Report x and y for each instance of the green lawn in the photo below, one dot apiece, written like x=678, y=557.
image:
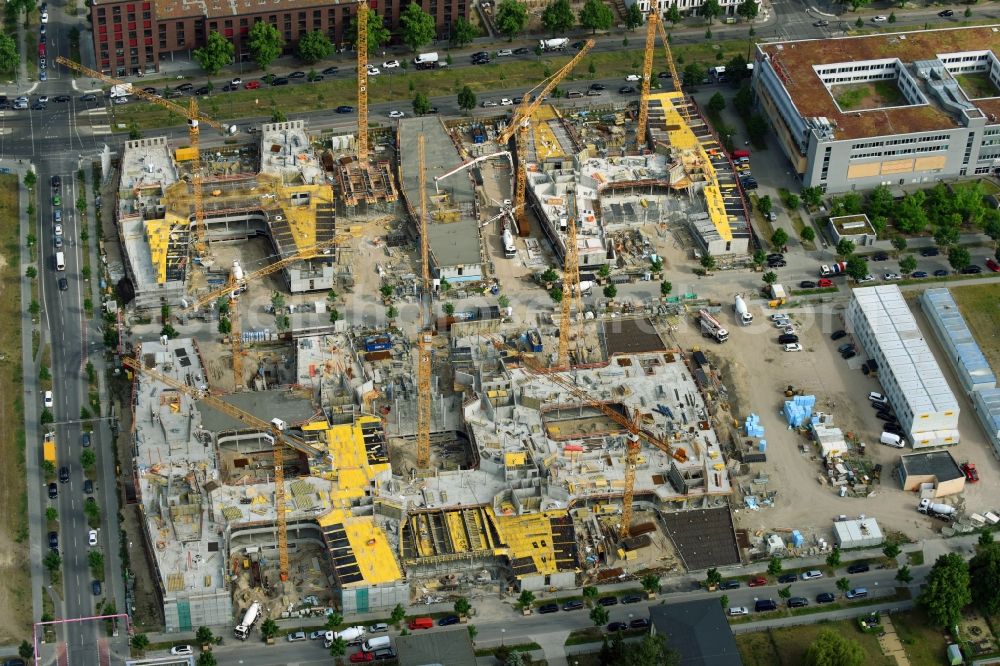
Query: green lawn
x=977, y=85
x=980, y=305
x=226, y=107
x=868, y=95
x=789, y=645
x=925, y=645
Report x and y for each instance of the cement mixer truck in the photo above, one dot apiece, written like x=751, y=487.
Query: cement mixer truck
x=937, y=510
x=743, y=315
x=250, y=618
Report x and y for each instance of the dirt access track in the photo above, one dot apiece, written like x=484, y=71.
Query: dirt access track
x=757, y=371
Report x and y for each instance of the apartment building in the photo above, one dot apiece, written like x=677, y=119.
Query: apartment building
x=691, y=7
x=888, y=109
x=133, y=37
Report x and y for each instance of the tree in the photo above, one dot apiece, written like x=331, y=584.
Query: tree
x=769, y=277
x=759, y=257
x=140, y=642
x=463, y=32
x=88, y=458
x=959, y=257
x=95, y=560
x=610, y=291
x=693, y=74
x=843, y=584
x=449, y=309
x=774, y=566
x=791, y=200
x=748, y=9
x=511, y=17
x=833, y=559
x=313, y=47
x=708, y=262
x=557, y=17
x=207, y=659
x=713, y=577
x=785, y=592
x=51, y=513
x=855, y=4
x=986, y=538
x=265, y=43
x=9, y=58
x=398, y=613
x=845, y=248
x=808, y=234
x=391, y=312
x=44, y=374
x=903, y=574
x=589, y=594
x=946, y=591
x=418, y=27
x=378, y=34
x=634, y=17
x=26, y=651
x=812, y=196
x=31, y=272
x=857, y=267
x=421, y=103
x=52, y=561
x=595, y=15
x=650, y=650
x=46, y=417
x=832, y=649
x=503, y=301
x=599, y=615
x=756, y=128
x=30, y=179
x=710, y=9
x=743, y=101
x=334, y=620
x=891, y=550
x=666, y=288
x=225, y=326
x=899, y=242
x=338, y=647
x=34, y=308
x=779, y=238
x=724, y=601
x=462, y=606
x=765, y=204
x=673, y=14
x=466, y=99
x=984, y=572
x=471, y=628
x=216, y=54
x=717, y=102
x=204, y=636
x=526, y=599
x=268, y=628
x=651, y=583
x=907, y=264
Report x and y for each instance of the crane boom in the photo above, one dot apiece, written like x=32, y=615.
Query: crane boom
x=362, y=47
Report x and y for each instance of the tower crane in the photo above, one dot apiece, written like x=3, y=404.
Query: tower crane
x=627, y=421
x=362, y=47
x=194, y=118
x=571, y=281
x=232, y=286
x=275, y=428
x=424, y=343
x=521, y=122
x=654, y=26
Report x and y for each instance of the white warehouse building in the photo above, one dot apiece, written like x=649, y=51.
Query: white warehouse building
x=927, y=410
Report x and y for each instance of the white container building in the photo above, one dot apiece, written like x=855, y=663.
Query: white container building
x=861, y=533
x=987, y=405
x=953, y=333
x=911, y=378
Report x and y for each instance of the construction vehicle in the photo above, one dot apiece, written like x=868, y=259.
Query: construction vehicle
x=275, y=427
x=711, y=328
x=834, y=269
x=936, y=508
x=49, y=448
x=242, y=630
x=194, y=118
x=557, y=44
x=743, y=315
x=520, y=123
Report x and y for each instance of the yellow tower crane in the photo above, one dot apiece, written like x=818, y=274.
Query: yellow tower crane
x=424, y=343
x=275, y=428
x=194, y=118
x=362, y=47
x=654, y=25
x=234, y=283
x=571, y=282
x=520, y=124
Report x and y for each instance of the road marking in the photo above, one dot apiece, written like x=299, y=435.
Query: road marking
x=100, y=111
x=101, y=129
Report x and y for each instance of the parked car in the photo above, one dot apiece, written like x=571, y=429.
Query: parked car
x=825, y=282
x=807, y=284
x=503, y=53
x=88, y=487
x=885, y=416
x=929, y=252
x=184, y=87
x=639, y=623
x=797, y=602
x=729, y=585
x=947, y=13
x=736, y=611
x=857, y=593
x=825, y=598
x=608, y=601
x=54, y=540
x=880, y=256
x=971, y=474
x=617, y=626
x=548, y=608
x=848, y=354
x=296, y=636
x=787, y=339
x=251, y=85
x=181, y=650
x=302, y=75
x=993, y=265
x=632, y=78
x=448, y=620
x=64, y=474
x=361, y=657
x=396, y=114
x=918, y=274
x=787, y=578
x=972, y=269
x=92, y=538
x=378, y=627
x=53, y=490
x=811, y=574
x=858, y=568
x=940, y=273
x=880, y=19
x=757, y=581
x=631, y=599
x=575, y=604
x=329, y=71
x=626, y=90
x=837, y=335
x=282, y=81
x=795, y=347
x=345, y=109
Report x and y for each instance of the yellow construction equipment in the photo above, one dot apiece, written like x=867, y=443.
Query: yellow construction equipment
x=275, y=428
x=424, y=343
x=654, y=25
x=362, y=47
x=521, y=123
x=231, y=288
x=194, y=118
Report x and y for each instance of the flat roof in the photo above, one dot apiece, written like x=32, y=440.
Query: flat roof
x=939, y=464
x=794, y=62
x=454, y=243
x=629, y=336
x=438, y=648
x=698, y=630
x=704, y=538
x=172, y=9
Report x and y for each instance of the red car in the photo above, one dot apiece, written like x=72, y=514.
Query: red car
x=971, y=474
x=757, y=582
x=362, y=657
x=253, y=85
x=825, y=282
x=993, y=265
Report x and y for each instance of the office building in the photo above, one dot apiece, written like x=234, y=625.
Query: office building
x=887, y=109
x=912, y=381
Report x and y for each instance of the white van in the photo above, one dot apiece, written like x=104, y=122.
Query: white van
x=376, y=643
x=60, y=261
x=893, y=440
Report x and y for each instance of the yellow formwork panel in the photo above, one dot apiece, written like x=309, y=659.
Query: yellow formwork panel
x=158, y=239
x=515, y=459
x=456, y=531
x=186, y=154
x=371, y=549
x=528, y=536
x=302, y=219
x=546, y=144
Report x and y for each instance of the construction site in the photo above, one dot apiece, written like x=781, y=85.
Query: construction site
x=293, y=450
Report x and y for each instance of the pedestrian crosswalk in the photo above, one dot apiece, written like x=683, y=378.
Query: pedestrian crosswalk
x=97, y=116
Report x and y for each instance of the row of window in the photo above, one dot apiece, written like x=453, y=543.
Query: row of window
x=896, y=142
x=842, y=80
x=982, y=56
x=901, y=151
x=856, y=68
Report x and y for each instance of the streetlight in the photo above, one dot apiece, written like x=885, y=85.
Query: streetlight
x=502, y=632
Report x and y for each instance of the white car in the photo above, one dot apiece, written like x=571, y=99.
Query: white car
x=316, y=634
x=790, y=330
x=776, y=317
x=738, y=610
x=296, y=636
x=809, y=575
x=57, y=230
x=236, y=83
x=390, y=64
x=92, y=537
x=782, y=323
x=396, y=114
x=876, y=397
x=892, y=276
x=489, y=102
x=48, y=400
x=880, y=19
x=632, y=78
x=867, y=278
x=373, y=71
x=793, y=347
x=504, y=52
x=45, y=17
x=506, y=101
x=181, y=650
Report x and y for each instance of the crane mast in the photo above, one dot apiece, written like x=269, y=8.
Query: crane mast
x=424, y=343
x=647, y=76
x=362, y=47
x=571, y=281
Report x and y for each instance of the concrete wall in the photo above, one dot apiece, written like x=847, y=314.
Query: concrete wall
x=365, y=598
x=188, y=611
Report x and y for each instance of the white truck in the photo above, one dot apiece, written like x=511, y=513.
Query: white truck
x=250, y=618
x=557, y=44
x=351, y=635
x=711, y=328
x=936, y=508
x=426, y=60
x=121, y=90
x=743, y=315
x=509, y=249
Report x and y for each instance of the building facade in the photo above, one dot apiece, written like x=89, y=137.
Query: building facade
x=892, y=109
x=692, y=7
x=132, y=38
x=912, y=381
